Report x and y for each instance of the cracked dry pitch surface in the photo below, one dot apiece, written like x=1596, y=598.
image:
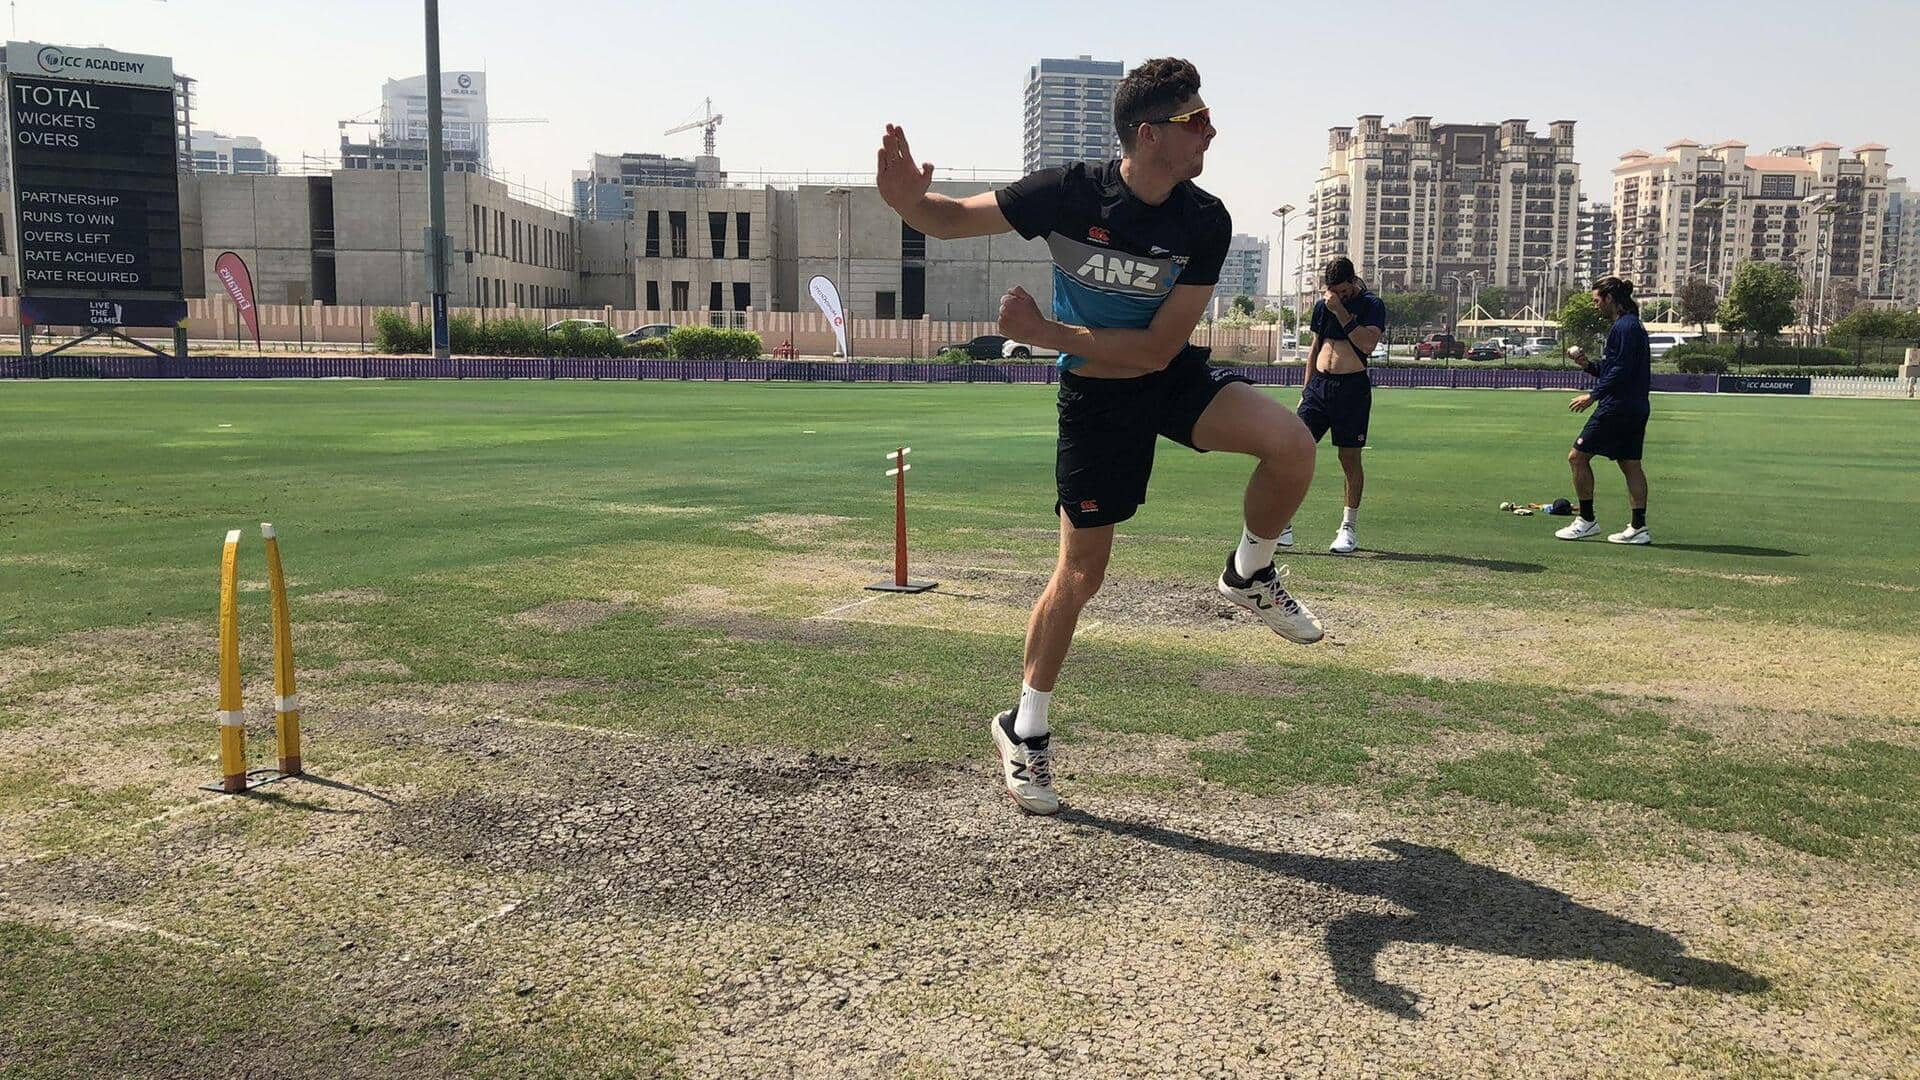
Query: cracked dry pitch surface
x=794, y=914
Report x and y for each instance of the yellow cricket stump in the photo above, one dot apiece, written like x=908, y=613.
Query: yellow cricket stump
x=233, y=729
x=286, y=702
x=234, y=778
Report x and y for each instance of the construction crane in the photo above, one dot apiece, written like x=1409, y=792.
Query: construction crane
x=711, y=121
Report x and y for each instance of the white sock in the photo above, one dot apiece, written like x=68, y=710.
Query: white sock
x=1352, y=519
x=1031, y=721
x=1253, y=555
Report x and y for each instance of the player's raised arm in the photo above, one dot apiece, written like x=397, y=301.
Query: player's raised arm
x=905, y=185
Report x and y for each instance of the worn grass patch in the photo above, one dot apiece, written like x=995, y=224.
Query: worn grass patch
x=136, y=1004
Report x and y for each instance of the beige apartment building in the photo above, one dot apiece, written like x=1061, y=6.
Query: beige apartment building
x=1697, y=212
x=1419, y=204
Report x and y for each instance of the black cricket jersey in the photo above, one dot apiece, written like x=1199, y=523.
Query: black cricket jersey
x=1116, y=259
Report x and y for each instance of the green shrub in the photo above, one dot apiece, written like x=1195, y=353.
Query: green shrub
x=654, y=348
x=710, y=343
x=954, y=356
x=574, y=340
x=395, y=333
x=1697, y=362
x=511, y=337
x=1759, y=355
x=463, y=332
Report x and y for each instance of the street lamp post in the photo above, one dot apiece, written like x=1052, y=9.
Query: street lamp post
x=1547, y=299
x=1824, y=208
x=1301, y=309
x=1453, y=322
x=1718, y=207
x=1281, y=213
x=840, y=229
x=436, y=190
x=841, y=252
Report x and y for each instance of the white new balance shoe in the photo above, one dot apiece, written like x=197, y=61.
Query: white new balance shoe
x=1286, y=537
x=1631, y=535
x=1344, y=541
x=1027, y=767
x=1262, y=595
x=1579, y=530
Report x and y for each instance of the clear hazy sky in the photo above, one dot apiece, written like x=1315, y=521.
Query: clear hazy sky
x=808, y=86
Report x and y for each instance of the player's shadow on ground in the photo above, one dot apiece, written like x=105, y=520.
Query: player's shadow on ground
x=286, y=796
x=1454, y=903
x=1502, y=566
x=1734, y=549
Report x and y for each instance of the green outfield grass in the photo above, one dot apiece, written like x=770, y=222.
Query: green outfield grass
x=712, y=521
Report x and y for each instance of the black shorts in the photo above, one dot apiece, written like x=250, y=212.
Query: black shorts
x=1108, y=428
x=1615, y=435
x=1342, y=403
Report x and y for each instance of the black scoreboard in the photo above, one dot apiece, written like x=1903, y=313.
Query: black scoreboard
x=96, y=188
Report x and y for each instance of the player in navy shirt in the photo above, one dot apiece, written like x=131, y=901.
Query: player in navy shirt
x=1137, y=249
x=1620, y=403
x=1338, y=394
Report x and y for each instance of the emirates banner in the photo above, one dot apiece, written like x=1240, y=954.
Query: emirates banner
x=231, y=269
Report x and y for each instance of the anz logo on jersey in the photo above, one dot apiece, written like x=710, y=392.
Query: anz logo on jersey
x=1118, y=270
x=1105, y=270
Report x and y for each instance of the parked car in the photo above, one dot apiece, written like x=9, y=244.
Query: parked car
x=1017, y=350
x=584, y=324
x=1436, y=346
x=1487, y=350
x=1289, y=340
x=651, y=330
x=1658, y=345
x=984, y=347
x=1519, y=346
x=1380, y=351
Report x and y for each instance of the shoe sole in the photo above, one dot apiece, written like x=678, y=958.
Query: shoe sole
x=993, y=731
x=1234, y=599
x=1582, y=536
x=1631, y=543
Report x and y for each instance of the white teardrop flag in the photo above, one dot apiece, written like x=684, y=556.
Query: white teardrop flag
x=828, y=297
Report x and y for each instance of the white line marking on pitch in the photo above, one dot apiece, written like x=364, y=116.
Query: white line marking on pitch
x=183, y=808
x=843, y=607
